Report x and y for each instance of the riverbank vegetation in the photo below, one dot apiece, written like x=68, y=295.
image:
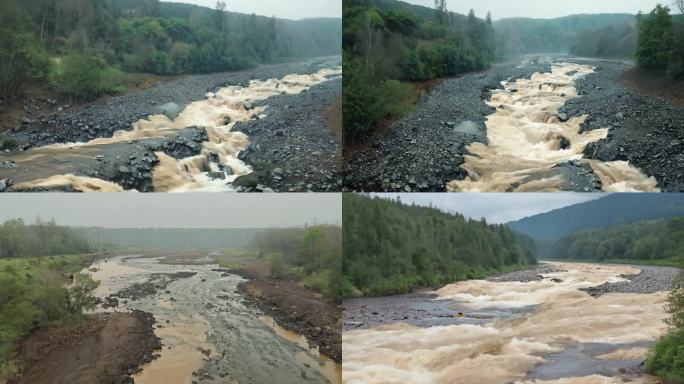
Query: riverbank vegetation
x=388, y=44
x=661, y=42
x=667, y=357
x=37, y=288
x=86, y=48
x=392, y=248
x=312, y=255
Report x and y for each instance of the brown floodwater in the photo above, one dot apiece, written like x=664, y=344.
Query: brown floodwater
x=561, y=319
x=526, y=140
x=55, y=165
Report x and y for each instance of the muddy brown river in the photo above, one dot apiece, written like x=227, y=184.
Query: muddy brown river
x=527, y=141
x=56, y=165
x=208, y=334
x=545, y=331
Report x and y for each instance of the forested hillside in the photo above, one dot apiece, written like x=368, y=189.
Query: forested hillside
x=169, y=238
x=392, y=248
x=660, y=241
x=608, y=211
x=38, y=239
x=387, y=44
x=568, y=34
x=85, y=48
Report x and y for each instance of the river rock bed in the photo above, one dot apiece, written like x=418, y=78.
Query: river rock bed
x=292, y=149
x=527, y=275
x=102, y=119
x=425, y=149
x=156, y=282
x=646, y=131
x=649, y=280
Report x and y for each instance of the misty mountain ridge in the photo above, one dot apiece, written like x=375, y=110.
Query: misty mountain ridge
x=612, y=210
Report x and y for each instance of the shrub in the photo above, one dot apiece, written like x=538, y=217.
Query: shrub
x=87, y=76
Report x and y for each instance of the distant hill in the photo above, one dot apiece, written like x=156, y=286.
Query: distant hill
x=169, y=238
x=612, y=210
x=586, y=35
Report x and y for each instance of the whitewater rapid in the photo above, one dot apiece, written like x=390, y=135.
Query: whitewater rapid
x=527, y=140
x=553, y=318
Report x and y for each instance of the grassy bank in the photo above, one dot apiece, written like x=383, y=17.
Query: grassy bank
x=38, y=292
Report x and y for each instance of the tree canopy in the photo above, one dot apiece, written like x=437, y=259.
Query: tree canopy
x=391, y=248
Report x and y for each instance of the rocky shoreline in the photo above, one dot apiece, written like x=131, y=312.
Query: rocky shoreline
x=649, y=280
x=109, y=348
x=292, y=149
x=646, y=131
x=303, y=317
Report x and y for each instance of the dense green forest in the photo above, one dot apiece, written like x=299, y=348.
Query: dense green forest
x=85, y=48
x=661, y=42
x=392, y=248
x=387, y=44
x=660, y=241
x=37, y=288
x=41, y=238
x=313, y=255
x=569, y=34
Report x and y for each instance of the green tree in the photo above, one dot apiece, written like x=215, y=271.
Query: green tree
x=656, y=39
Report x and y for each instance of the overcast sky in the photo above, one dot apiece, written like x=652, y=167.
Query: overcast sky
x=545, y=9
x=496, y=207
x=127, y=210
x=284, y=9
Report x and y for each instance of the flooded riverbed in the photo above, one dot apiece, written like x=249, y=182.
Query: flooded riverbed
x=532, y=147
x=208, y=334
x=545, y=331
x=214, y=168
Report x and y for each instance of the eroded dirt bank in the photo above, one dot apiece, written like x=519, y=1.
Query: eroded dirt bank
x=109, y=348
x=530, y=327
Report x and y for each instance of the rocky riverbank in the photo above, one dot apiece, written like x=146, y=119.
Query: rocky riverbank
x=291, y=148
x=293, y=308
x=646, y=131
x=109, y=348
x=649, y=280
x=424, y=150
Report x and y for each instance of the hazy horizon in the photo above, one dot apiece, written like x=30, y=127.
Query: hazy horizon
x=501, y=9
x=496, y=208
x=185, y=211
x=305, y=9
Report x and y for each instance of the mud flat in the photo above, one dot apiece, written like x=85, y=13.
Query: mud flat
x=584, y=339
x=110, y=347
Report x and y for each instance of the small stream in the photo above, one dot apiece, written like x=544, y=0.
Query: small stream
x=208, y=334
